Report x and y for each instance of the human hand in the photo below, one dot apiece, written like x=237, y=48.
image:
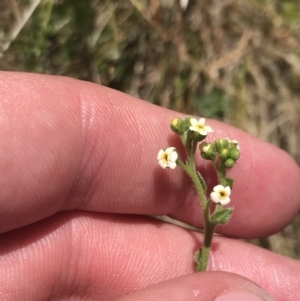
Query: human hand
x=78, y=174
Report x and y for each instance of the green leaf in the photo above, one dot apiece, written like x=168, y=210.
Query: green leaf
x=202, y=181
x=229, y=182
x=222, y=217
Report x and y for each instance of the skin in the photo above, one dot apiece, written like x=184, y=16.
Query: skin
x=79, y=174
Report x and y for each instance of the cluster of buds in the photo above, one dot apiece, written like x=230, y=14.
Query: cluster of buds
x=227, y=150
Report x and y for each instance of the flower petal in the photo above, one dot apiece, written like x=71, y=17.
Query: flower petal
x=162, y=164
x=172, y=165
x=169, y=150
x=215, y=197
x=218, y=188
x=160, y=154
x=228, y=190
x=193, y=121
x=225, y=202
x=173, y=156
x=208, y=129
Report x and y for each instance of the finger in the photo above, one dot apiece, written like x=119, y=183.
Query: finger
x=210, y=286
x=67, y=144
x=107, y=256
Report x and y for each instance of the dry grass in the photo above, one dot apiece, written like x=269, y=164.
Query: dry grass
x=234, y=60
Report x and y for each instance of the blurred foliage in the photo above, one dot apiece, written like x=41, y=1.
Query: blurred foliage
x=237, y=61
x=213, y=103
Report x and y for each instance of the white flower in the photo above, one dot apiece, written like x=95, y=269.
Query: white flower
x=199, y=126
x=221, y=195
x=167, y=158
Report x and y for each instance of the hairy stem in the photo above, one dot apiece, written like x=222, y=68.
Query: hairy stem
x=190, y=169
x=203, y=256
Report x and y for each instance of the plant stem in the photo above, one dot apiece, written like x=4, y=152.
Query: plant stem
x=221, y=172
x=205, y=251
x=191, y=171
x=202, y=260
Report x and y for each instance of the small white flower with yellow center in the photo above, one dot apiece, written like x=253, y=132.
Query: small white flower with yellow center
x=221, y=195
x=167, y=158
x=199, y=126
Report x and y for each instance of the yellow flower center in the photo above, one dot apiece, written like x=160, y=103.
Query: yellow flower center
x=222, y=194
x=165, y=158
x=201, y=126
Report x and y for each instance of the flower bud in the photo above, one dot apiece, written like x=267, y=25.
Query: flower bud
x=221, y=144
x=234, y=153
x=178, y=126
x=229, y=163
x=207, y=150
x=187, y=121
x=197, y=137
x=224, y=154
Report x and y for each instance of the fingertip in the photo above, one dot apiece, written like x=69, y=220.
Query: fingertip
x=208, y=286
x=266, y=190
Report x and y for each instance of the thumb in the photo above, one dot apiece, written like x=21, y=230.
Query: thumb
x=208, y=286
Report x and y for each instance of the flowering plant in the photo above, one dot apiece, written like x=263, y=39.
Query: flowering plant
x=223, y=153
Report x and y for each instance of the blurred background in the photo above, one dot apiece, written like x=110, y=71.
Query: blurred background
x=236, y=61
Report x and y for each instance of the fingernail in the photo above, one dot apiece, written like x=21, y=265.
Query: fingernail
x=235, y=295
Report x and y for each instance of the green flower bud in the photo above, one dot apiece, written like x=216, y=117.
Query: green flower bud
x=234, y=153
x=187, y=121
x=224, y=154
x=178, y=126
x=229, y=163
x=207, y=151
x=197, y=136
x=221, y=144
